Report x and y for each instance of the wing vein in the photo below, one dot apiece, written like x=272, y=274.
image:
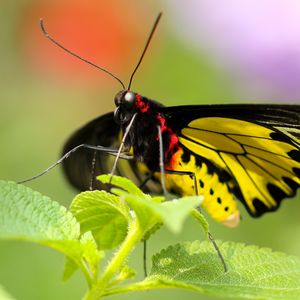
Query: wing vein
x=205, y=146
x=265, y=150
x=223, y=133
x=274, y=164
x=252, y=180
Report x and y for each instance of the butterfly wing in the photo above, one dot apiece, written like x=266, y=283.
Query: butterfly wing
x=249, y=151
x=83, y=165
x=257, y=146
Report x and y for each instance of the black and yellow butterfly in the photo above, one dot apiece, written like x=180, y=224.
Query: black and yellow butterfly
x=245, y=152
x=225, y=152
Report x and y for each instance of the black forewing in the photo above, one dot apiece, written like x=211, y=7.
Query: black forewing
x=285, y=118
x=268, y=114
x=78, y=167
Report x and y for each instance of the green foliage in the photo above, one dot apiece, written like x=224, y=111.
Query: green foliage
x=253, y=273
x=98, y=221
x=152, y=210
x=104, y=215
x=27, y=215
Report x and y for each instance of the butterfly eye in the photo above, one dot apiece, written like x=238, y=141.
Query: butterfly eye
x=121, y=116
x=117, y=115
x=129, y=99
x=118, y=98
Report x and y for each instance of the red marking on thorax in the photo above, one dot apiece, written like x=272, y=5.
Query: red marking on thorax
x=173, y=140
x=140, y=104
x=162, y=121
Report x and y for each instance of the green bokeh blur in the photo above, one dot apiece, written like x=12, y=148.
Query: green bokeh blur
x=38, y=113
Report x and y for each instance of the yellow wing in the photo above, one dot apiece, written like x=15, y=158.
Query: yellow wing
x=264, y=164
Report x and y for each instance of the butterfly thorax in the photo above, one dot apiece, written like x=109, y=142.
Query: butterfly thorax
x=143, y=135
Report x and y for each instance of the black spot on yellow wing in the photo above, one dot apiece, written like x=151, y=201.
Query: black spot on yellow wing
x=295, y=155
x=263, y=161
x=185, y=157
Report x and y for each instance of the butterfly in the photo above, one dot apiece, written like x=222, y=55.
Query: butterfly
x=244, y=152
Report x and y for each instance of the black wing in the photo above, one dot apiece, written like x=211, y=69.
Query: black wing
x=269, y=114
x=79, y=168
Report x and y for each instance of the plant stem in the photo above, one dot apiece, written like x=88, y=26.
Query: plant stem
x=134, y=236
x=86, y=273
x=138, y=286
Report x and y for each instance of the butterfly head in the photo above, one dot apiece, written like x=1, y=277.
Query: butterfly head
x=126, y=99
x=127, y=104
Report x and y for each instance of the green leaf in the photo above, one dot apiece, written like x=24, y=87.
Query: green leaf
x=201, y=220
x=143, y=208
x=152, y=230
x=253, y=273
x=4, y=295
x=90, y=252
x=28, y=215
x=176, y=211
x=70, y=268
x=104, y=215
x=121, y=182
x=150, y=213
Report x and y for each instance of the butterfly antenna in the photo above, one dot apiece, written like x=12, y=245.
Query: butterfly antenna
x=48, y=36
x=145, y=49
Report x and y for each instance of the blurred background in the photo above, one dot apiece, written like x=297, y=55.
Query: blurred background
x=204, y=51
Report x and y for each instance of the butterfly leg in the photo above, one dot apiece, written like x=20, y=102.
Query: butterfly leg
x=66, y=155
x=163, y=184
x=161, y=162
x=145, y=258
x=93, y=168
x=145, y=241
x=127, y=130
x=210, y=236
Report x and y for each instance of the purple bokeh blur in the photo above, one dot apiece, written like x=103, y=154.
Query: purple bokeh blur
x=256, y=42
